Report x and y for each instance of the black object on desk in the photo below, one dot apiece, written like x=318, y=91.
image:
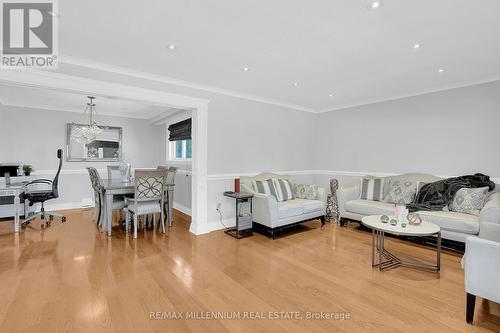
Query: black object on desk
x=244, y=219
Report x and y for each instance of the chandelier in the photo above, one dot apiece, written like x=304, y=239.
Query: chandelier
x=87, y=133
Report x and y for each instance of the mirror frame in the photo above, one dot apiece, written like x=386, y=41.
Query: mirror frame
x=73, y=159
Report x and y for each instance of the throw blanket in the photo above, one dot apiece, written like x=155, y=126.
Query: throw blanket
x=437, y=195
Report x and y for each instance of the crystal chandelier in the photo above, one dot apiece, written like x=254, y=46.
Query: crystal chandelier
x=87, y=133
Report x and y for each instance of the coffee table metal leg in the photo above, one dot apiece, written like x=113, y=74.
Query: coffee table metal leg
x=373, y=247
x=438, y=260
x=380, y=249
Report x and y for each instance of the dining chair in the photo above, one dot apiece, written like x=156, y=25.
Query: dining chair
x=118, y=201
x=172, y=171
x=97, y=187
x=149, y=196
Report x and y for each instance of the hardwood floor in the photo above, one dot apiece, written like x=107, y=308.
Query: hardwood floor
x=72, y=278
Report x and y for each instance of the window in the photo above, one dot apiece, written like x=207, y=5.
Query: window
x=180, y=150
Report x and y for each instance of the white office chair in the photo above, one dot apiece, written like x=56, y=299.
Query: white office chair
x=482, y=267
x=148, y=198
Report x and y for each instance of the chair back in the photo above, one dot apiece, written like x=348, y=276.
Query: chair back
x=55, y=182
x=172, y=171
x=149, y=184
x=114, y=172
x=95, y=179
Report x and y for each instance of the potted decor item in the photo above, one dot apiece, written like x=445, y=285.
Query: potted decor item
x=27, y=169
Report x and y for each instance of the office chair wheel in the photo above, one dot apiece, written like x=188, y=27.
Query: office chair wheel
x=47, y=223
x=63, y=219
x=51, y=218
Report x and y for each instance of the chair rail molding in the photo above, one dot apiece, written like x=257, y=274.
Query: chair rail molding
x=73, y=84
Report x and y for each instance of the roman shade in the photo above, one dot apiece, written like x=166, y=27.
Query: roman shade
x=180, y=130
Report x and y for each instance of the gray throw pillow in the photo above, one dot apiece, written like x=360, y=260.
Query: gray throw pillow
x=401, y=192
x=469, y=200
x=305, y=191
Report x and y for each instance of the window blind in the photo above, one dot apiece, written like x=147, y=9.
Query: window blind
x=180, y=130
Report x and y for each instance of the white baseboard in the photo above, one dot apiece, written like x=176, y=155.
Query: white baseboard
x=216, y=225
x=182, y=208
x=64, y=206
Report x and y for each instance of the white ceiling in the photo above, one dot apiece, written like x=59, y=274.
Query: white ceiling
x=69, y=102
x=334, y=47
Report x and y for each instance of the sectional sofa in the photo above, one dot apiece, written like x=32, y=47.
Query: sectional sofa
x=454, y=226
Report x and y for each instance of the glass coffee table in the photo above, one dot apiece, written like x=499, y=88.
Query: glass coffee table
x=383, y=258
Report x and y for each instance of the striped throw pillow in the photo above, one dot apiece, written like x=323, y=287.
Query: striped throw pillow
x=372, y=189
x=265, y=187
x=283, y=189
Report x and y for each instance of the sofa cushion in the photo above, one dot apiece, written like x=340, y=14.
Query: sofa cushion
x=469, y=200
x=369, y=207
x=401, y=192
x=305, y=191
x=265, y=187
x=458, y=222
x=371, y=188
x=310, y=206
x=283, y=189
x=290, y=208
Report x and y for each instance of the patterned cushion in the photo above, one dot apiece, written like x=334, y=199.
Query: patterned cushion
x=265, y=187
x=283, y=189
x=401, y=192
x=372, y=188
x=305, y=191
x=469, y=200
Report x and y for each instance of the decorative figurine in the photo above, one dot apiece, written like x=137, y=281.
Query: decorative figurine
x=414, y=219
x=394, y=222
x=332, y=206
x=384, y=218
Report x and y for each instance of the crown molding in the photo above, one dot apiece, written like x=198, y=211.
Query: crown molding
x=39, y=106
x=403, y=96
x=75, y=61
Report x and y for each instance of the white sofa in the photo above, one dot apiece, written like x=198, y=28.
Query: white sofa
x=274, y=215
x=454, y=226
x=482, y=269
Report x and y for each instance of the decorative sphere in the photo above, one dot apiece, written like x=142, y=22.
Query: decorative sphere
x=384, y=218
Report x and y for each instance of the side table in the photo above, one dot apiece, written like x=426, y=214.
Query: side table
x=244, y=218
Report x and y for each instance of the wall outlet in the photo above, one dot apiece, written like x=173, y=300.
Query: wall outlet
x=218, y=206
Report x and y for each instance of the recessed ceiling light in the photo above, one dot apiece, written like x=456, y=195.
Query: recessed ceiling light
x=245, y=69
x=374, y=4
x=172, y=47
x=441, y=70
x=416, y=46
x=295, y=84
x=330, y=95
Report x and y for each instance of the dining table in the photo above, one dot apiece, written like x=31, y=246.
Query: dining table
x=112, y=187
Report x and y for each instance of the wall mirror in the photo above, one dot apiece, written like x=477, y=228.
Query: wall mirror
x=102, y=145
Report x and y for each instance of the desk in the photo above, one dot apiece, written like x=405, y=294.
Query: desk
x=112, y=187
x=14, y=189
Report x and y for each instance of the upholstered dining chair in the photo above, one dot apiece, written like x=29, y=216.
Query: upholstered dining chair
x=149, y=196
x=97, y=187
x=172, y=171
x=118, y=201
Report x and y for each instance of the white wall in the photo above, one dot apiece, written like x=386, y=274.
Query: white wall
x=33, y=136
x=446, y=133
